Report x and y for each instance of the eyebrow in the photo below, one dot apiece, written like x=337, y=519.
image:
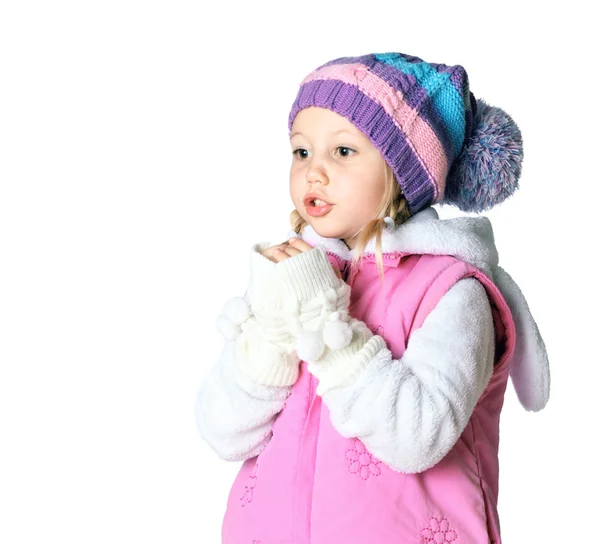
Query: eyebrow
x=334, y=132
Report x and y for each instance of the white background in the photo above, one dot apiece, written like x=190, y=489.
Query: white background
x=144, y=148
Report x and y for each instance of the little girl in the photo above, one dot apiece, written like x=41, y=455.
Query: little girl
x=364, y=370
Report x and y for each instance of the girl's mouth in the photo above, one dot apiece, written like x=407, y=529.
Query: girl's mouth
x=318, y=208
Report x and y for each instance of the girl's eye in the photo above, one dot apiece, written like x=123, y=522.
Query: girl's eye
x=298, y=151
x=344, y=152
x=347, y=150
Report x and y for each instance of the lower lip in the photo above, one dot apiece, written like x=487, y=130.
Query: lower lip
x=318, y=211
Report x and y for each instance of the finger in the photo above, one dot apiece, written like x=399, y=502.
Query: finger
x=300, y=244
x=291, y=251
x=280, y=255
x=270, y=251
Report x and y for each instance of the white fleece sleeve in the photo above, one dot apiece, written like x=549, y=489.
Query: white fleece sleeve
x=409, y=412
x=234, y=414
x=240, y=398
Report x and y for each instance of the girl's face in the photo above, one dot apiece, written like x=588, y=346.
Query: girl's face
x=337, y=162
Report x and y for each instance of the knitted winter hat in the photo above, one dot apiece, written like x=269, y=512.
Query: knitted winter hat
x=443, y=144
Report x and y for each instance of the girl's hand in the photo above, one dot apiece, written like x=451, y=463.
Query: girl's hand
x=294, y=246
x=275, y=253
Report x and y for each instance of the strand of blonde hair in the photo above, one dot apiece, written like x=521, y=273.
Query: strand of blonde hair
x=393, y=204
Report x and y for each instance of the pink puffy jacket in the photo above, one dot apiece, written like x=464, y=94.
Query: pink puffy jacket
x=408, y=452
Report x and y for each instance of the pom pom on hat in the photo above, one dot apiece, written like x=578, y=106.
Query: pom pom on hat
x=487, y=170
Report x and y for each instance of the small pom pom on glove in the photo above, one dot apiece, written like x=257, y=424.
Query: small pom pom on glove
x=337, y=334
x=235, y=312
x=310, y=345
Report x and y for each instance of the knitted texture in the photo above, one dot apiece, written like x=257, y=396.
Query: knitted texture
x=338, y=367
x=419, y=115
x=302, y=291
x=262, y=360
x=488, y=170
x=290, y=301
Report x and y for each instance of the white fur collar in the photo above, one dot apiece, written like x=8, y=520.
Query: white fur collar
x=470, y=239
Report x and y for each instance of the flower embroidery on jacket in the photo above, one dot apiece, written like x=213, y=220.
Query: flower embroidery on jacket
x=438, y=532
x=250, y=485
x=361, y=462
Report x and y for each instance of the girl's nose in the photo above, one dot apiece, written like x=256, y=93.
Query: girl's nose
x=314, y=175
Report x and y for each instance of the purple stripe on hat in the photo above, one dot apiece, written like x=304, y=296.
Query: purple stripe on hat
x=457, y=75
x=367, y=60
x=442, y=68
x=458, y=78
x=368, y=116
x=411, y=58
x=414, y=93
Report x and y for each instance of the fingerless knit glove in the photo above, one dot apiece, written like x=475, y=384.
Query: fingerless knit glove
x=292, y=310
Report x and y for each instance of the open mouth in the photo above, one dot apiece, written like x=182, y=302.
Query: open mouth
x=317, y=208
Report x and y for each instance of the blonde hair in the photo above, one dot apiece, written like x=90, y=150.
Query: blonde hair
x=393, y=204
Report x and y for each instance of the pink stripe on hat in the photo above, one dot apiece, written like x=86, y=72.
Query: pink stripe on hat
x=420, y=136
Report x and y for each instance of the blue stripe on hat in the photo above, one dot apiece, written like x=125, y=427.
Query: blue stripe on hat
x=447, y=101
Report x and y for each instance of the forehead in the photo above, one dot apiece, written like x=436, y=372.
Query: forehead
x=315, y=120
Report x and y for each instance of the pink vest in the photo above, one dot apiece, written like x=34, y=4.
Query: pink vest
x=310, y=485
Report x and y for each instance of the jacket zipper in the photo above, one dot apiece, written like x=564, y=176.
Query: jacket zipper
x=304, y=489
x=311, y=387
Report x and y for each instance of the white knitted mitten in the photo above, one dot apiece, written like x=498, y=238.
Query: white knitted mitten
x=267, y=301
x=336, y=367
x=262, y=299
x=262, y=360
x=336, y=346
x=314, y=303
x=292, y=310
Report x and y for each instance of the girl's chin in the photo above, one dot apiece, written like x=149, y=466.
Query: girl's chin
x=326, y=231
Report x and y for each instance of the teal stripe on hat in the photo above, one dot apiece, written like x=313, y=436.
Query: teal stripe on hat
x=446, y=99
